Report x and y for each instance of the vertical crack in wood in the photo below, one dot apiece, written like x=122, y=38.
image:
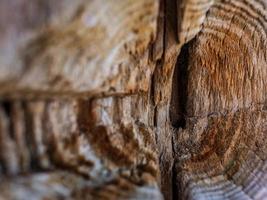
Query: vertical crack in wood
x=178, y=106
x=119, y=139
x=179, y=89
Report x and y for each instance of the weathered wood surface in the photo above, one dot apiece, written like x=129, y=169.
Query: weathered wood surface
x=133, y=99
x=81, y=47
x=221, y=149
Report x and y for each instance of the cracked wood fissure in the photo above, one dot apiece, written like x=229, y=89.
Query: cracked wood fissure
x=133, y=99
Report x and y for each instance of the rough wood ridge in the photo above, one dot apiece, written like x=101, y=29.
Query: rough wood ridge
x=133, y=99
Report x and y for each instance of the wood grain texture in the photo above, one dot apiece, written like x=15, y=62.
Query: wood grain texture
x=92, y=50
x=75, y=114
x=221, y=150
x=133, y=99
x=191, y=15
x=81, y=141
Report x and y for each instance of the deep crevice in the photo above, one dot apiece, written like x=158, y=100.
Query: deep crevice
x=178, y=106
x=7, y=108
x=179, y=96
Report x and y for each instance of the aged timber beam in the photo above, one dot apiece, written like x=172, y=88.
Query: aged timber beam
x=221, y=148
x=133, y=99
x=75, y=47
